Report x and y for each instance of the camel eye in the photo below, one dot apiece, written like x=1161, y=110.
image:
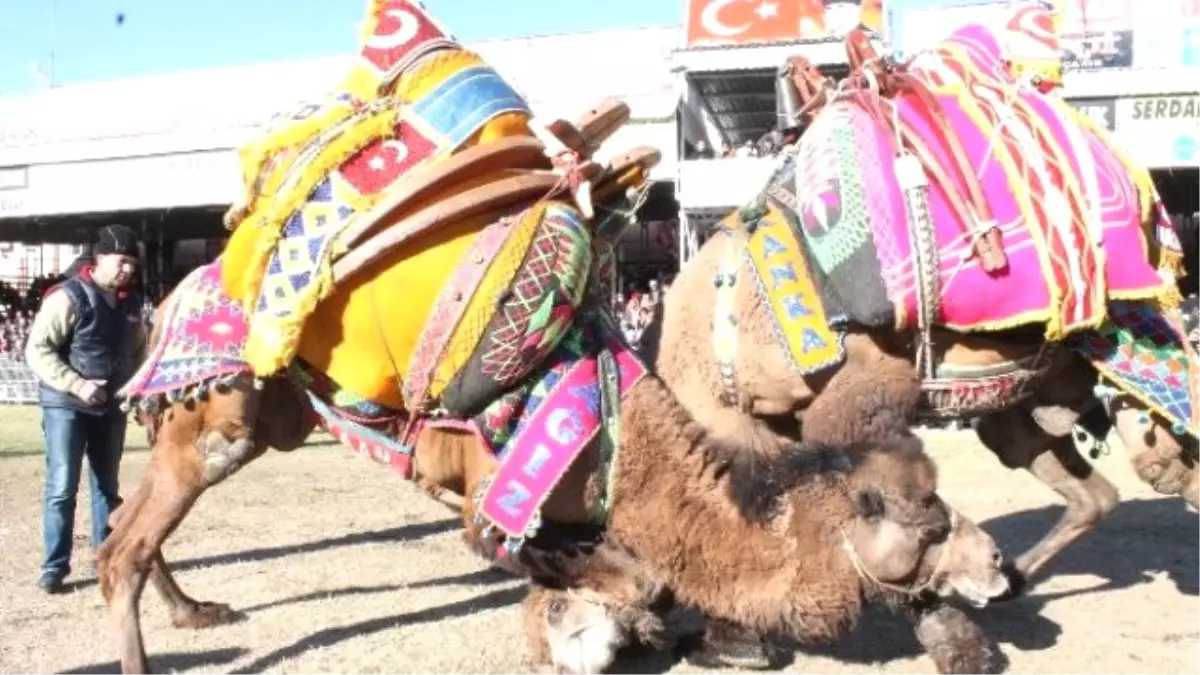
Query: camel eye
x=870, y=504
x=556, y=608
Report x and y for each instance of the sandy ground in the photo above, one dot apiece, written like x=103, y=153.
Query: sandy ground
x=341, y=567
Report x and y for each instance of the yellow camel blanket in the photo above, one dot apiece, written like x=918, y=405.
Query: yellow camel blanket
x=413, y=98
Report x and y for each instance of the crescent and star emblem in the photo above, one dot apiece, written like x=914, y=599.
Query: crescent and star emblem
x=711, y=21
x=407, y=29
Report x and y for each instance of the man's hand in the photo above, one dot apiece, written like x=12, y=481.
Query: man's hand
x=93, y=392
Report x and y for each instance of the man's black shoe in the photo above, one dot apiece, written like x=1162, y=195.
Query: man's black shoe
x=51, y=584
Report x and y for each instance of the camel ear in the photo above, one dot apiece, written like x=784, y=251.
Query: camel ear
x=869, y=504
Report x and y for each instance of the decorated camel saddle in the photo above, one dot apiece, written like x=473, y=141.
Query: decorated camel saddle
x=949, y=195
x=418, y=249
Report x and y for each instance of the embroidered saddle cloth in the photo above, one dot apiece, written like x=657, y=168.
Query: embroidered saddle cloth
x=1080, y=224
x=451, y=317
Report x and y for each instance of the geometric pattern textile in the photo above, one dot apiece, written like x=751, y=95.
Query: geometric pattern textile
x=201, y=344
x=1077, y=223
x=1143, y=354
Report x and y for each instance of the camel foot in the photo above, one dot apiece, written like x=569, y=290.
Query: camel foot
x=725, y=646
x=1017, y=582
x=206, y=615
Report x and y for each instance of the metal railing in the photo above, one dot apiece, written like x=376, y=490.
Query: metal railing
x=18, y=386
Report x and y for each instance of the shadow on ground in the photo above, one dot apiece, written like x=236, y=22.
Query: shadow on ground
x=172, y=662
x=1139, y=539
x=410, y=532
x=331, y=636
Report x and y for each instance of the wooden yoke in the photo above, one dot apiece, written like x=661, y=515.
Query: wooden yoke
x=593, y=128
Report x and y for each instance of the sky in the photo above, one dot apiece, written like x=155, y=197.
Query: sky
x=91, y=42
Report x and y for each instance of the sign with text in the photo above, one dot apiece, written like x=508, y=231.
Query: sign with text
x=738, y=22
x=1168, y=37
x=1096, y=34
x=1103, y=111
x=1160, y=131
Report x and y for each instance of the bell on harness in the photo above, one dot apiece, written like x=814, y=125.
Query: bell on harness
x=787, y=100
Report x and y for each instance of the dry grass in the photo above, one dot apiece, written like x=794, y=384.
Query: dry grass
x=341, y=567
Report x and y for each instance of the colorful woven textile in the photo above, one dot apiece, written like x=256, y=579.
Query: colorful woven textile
x=541, y=430
x=528, y=320
x=1068, y=203
x=785, y=283
x=202, y=341
x=1143, y=354
x=414, y=97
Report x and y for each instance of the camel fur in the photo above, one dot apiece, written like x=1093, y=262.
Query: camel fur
x=697, y=490
x=876, y=393
x=791, y=572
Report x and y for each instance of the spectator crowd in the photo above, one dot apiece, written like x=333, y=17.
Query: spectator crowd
x=636, y=307
x=769, y=144
x=17, y=308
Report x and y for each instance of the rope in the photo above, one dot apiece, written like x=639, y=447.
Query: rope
x=864, y=573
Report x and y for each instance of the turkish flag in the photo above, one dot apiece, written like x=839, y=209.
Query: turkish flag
x=401, y=27
x=741, y=21
x=384, y=160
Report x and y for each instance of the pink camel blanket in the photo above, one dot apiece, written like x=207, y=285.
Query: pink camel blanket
x=1066, y=202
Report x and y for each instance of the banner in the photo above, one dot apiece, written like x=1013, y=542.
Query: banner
x=1168, y=37
x=1103, y=111
x=743, y=22
x=1160, y=131
x=1098, y=34
x=914, y=25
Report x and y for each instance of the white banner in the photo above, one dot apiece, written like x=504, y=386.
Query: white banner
x=1160, y=131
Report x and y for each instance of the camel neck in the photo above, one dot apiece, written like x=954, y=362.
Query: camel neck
x=674, y=510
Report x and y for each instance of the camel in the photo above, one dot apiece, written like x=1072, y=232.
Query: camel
x=717, y=343
x=869, y=551
x=880, y=528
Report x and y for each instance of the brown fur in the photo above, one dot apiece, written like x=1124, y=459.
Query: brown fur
x=874, y=394
x=955, y=643
x=694, y=488
x=788, y=574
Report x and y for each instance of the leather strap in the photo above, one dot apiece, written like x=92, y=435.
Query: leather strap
x=520, y=151
x=510, y=188
x=890, y=83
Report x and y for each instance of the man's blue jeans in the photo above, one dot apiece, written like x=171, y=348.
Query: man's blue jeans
x=70, y=435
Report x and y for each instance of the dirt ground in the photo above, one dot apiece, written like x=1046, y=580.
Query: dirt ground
x=342, y=567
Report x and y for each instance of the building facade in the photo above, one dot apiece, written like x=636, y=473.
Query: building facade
x=158, y=153
x=1132, y=64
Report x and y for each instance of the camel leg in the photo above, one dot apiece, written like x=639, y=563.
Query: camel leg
x=198, y=445
x=1019, y=442
x=186, y=612
x=1159, y=458
x=725, y=644
x=954, y=642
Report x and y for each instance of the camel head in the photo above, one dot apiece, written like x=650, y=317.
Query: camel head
x=574, y=630
x=577, y=623
x=905, y=538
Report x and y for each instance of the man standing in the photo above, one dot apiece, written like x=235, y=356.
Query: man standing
x=86, y=340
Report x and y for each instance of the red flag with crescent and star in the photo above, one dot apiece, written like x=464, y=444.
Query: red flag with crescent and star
x=713, y=22
x=400, y=26
x=395, y=30
x=384, y=160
